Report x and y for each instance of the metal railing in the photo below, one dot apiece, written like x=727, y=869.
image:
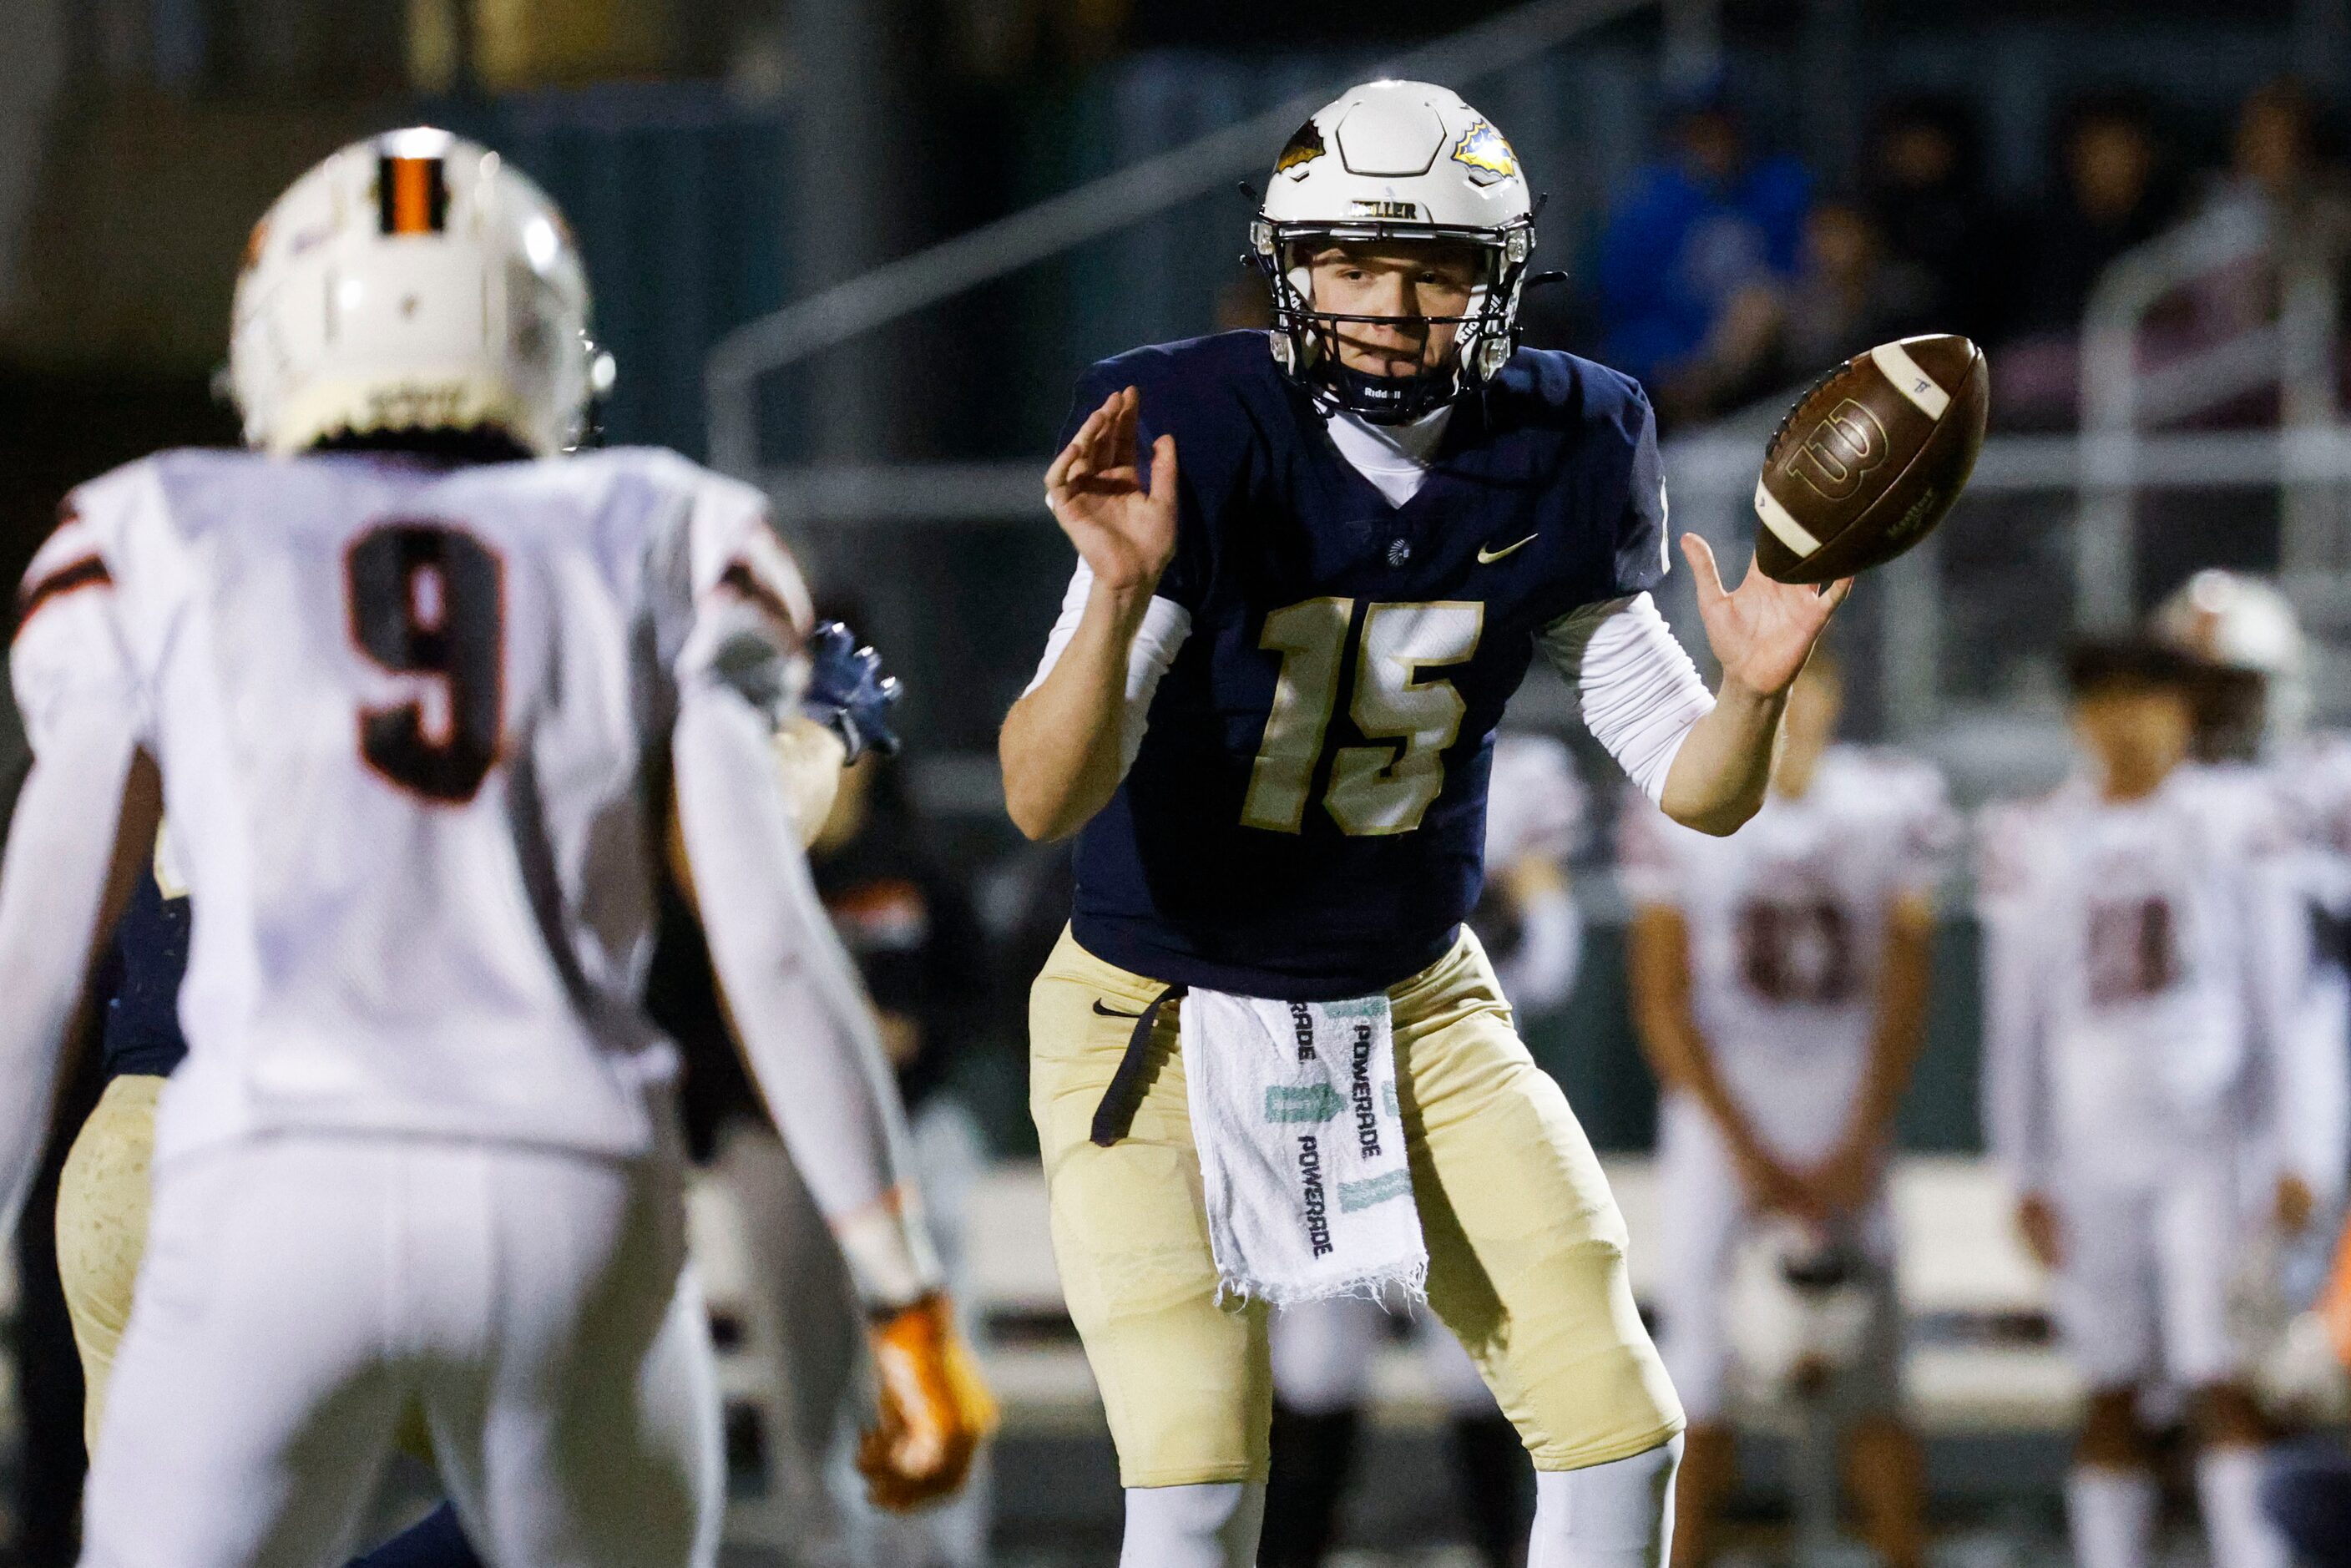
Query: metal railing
x=2121, y=396
x=836, y=315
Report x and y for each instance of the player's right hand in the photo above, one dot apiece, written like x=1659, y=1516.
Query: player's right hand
x=934, y=1408
x=2044, y=1236
x=1122, y=523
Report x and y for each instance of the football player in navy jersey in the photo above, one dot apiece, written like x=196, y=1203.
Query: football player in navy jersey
x=1267, y=713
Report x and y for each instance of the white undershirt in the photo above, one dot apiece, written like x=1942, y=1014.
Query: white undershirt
x=1635, y=685
x=1394, y=457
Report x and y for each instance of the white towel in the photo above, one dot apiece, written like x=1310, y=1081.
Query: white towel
x=1301, y=1147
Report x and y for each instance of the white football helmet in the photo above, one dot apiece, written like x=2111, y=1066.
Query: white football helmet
x=1800, y=1308
x=1394, y=160
x=2245, y=632
x=412, y=283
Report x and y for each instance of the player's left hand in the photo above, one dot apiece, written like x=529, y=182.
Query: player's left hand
x=1761, y=632
x=2294, y=1204
x=847, y=694
x=934, y=1408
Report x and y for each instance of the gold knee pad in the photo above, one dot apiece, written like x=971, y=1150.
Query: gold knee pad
x=103, y=1197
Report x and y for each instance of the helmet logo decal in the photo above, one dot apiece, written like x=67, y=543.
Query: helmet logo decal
x=1362, y=208
x=1483, y=151
x=1304, y=148
x=411, y=195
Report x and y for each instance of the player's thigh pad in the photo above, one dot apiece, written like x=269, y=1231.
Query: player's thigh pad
x=253, y=1400
x=1186, y=1382
x=1526, y=1245
x=585, y=1433
x=102, y=1201
x=2102, y=1296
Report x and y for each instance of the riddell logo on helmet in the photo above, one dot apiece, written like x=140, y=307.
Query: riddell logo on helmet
x=1843, y=447
x=1406, y=211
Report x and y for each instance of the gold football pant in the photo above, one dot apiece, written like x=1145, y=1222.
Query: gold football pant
x=1526, y=1247
x=102, y=1199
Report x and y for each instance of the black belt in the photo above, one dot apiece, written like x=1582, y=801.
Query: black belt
x=1114, y=1117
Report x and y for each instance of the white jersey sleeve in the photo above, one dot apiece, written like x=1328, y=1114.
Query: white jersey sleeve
x=1635, y=685
x=82, y=710
x=806, y=1026
x=1166, y=625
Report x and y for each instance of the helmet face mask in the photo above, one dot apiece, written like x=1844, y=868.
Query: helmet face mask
x=412, y=290
x=1393, y=164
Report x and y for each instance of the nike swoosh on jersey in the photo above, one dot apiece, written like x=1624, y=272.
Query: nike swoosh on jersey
x=1113, y=1012
x=1488, y=558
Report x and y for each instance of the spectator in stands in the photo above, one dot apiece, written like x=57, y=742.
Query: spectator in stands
x=2276, y=178
x=2115, y=194
x=1694, y=262
x=1849, y=292
x=1924, y=187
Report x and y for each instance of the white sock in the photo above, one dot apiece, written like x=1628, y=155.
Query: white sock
x=2228, y=1486
x=1213, y=1525
x=1616, y=1515
x=2112, y=1516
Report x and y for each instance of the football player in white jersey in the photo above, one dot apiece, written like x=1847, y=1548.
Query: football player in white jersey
x=1780, y=982
x=424, y=724
x=2141, y=1059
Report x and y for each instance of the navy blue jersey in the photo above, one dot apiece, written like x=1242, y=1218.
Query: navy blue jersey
x=1306, y=817
x=149, y=959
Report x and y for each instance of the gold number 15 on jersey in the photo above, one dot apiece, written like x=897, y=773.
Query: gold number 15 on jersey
x=1376, y=788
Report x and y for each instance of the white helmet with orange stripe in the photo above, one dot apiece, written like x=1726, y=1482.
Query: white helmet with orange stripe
x=412, y=285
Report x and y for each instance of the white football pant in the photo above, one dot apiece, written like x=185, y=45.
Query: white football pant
x=304, y=1298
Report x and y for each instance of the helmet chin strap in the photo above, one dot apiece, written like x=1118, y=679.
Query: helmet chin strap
x=1387, y=400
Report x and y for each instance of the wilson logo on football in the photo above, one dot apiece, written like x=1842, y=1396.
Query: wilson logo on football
x=1843, y=447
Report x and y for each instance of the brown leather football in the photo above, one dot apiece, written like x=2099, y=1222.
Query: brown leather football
x=1871, y=458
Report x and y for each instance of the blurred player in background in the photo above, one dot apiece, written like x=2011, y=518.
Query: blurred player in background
x=1779, y=981
x=1324, y=1351
x=2143, y=1071
x=2284, y=798
x=411, y=702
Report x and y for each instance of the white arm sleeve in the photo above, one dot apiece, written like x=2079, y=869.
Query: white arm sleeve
x=81, y=710
x=805, y=1024
x=802, y=1015
x=1166, y=624
x=1635, y=685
